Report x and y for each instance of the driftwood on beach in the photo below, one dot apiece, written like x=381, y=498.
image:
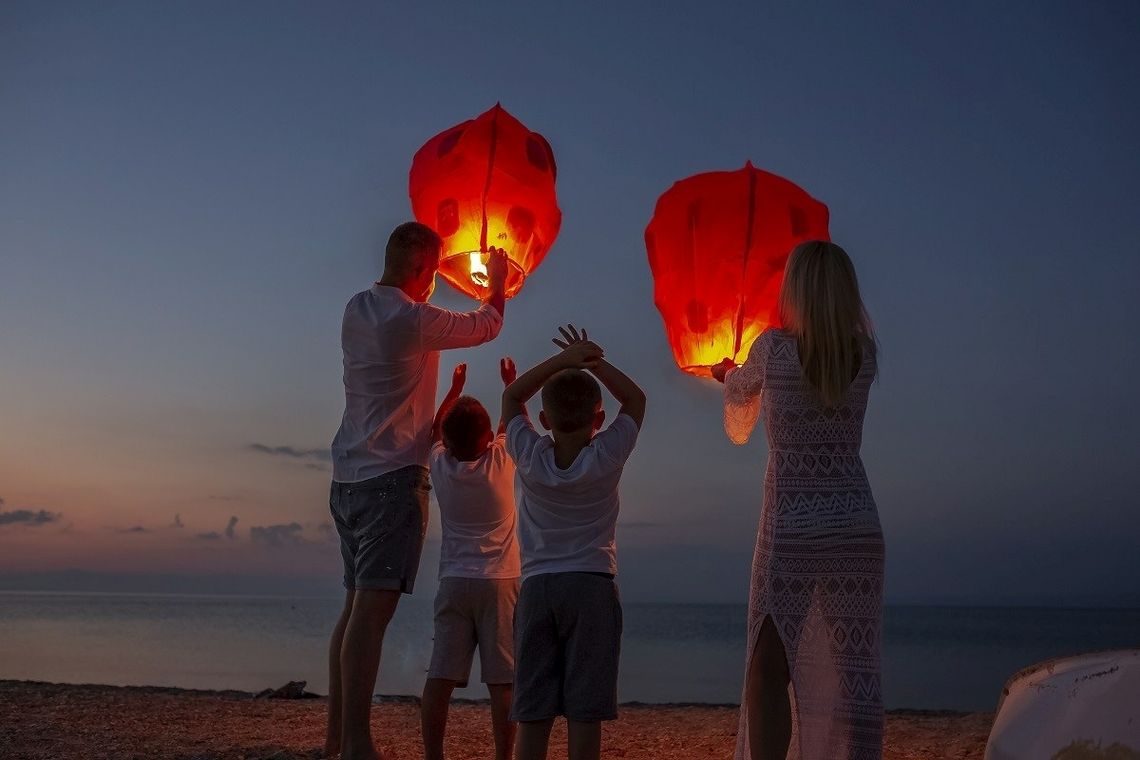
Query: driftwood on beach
x=291, y=690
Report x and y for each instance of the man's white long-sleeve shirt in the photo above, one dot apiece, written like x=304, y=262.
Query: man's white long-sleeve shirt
x=391, y=348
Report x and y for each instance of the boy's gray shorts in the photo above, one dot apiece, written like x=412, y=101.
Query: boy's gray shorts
x=567, y=643
x=381, y=523
x=472, y=612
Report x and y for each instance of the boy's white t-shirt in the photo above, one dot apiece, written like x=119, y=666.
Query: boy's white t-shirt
x=567, y=518
x=477, y=511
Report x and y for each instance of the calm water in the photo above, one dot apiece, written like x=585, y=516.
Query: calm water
x=934, y=657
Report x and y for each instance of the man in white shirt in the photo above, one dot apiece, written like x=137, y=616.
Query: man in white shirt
x=391, y=338
x=568, y=616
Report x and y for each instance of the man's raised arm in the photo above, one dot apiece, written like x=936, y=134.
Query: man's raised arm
x=442, y=329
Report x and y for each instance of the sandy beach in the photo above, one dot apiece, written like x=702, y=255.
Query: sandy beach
x=41, y=720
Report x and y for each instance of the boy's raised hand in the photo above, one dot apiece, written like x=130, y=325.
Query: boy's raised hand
x=507, y=370
x=570, y=336
x=577, y=348
x=459, y=377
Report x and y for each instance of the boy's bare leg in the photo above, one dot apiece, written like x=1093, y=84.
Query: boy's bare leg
x=359, y=661
x=332, y=734
x=501, y=723
x=584, y=739
x=433, y=715
x=534, y=736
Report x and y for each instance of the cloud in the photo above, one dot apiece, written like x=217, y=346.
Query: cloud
x=323, y=454
x=177, y=522
x=277, y=535
x=133, y=529
x=214, y=535
x=27, y=517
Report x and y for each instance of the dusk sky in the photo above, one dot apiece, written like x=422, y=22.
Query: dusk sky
x=190, y=192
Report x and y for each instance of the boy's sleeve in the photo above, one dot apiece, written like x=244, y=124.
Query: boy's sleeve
x=521, y=438
x=498, y=452
x=615, y=443
x=437, y=452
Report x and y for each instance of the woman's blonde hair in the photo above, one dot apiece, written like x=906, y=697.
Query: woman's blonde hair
x=820, y=305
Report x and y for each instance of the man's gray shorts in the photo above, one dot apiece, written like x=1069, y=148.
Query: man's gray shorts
x=381, y=523
x=567, y=643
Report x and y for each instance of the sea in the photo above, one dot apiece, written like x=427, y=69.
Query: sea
x=934, y=658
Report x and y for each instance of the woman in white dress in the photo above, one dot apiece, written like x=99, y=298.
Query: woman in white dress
x=812, y=682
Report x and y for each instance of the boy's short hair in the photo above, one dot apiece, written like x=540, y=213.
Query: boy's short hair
x=570, y=400
x=464, y=423
x=406, y=246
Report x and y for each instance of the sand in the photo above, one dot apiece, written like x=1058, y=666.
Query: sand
x=40, y=721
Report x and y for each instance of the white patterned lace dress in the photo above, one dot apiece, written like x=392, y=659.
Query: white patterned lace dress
x=818, y=567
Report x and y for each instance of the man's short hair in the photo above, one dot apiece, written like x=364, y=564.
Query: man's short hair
x=463, y=425
x=570, y=400
x=406, y=246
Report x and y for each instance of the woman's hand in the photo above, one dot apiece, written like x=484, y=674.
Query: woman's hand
x=720, y=370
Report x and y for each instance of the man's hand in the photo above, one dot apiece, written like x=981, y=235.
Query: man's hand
x=497, y=280
x=720, y=370
x=507, y=370
x=497, y=269
x=458, y=378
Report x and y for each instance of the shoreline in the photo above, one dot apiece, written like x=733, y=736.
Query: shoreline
x=382, y=699
x=41, y=720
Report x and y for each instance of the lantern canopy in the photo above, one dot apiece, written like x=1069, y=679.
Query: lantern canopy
x=488, y=182
x=717, y=246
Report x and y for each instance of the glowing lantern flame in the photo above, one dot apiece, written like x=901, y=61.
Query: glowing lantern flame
x=488, y=182
x=478, y=269
x=717, y=246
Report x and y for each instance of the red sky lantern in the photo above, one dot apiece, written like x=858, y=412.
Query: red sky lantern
x=488, y=182
x=717, y=245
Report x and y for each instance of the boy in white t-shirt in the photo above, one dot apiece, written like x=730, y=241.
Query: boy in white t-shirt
x=473, y=480
x=568, y=618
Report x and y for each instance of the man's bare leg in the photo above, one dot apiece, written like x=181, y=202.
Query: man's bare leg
x=534, y=736
x=332, y=734
x=359, y=661
x=584, y=739
x=433, y=715
x=501, y=723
